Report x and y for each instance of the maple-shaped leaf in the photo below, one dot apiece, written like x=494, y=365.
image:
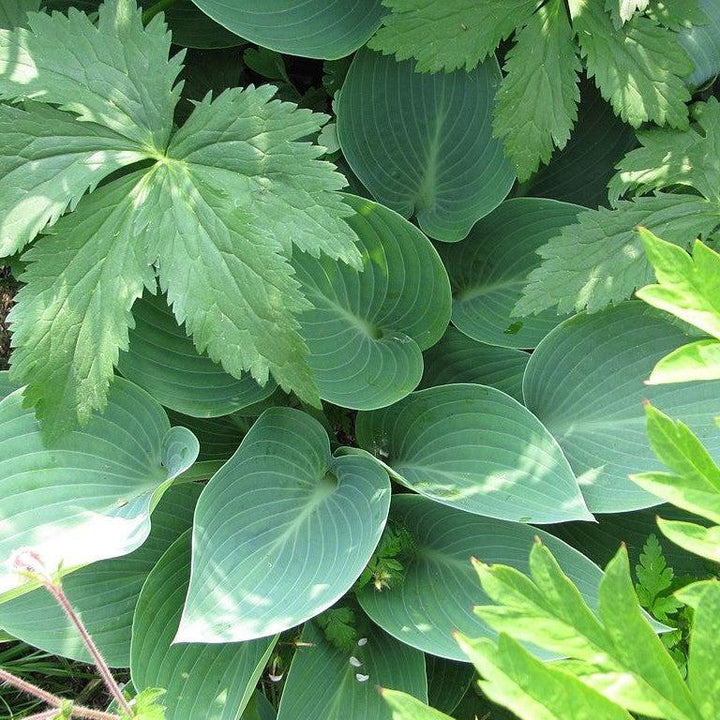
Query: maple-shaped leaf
x=600, y=260
x=448, y=34
x=338, y=624
x=639, y=67
x=622, y=10
x=48, y=161
x=537, y=100
x=672, y=157
x=115, y=73
x=677, y=14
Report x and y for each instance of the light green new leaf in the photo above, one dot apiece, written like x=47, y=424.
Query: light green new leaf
x=695, y=361
x=88, y=495
x=448, y=34
x=688, y=287
x=367, y=329
x=585, y=382
x=440, y=586
x=348, y=690
x=72, y=316
x=703, y=674
x=214, y=682
x=162, y=359
x=475, y=448
x=489, y=269
x=600, y=260
x=694, y=538
x=668, y=157
x=328, y=29
x=456, y=358
x=406, y=707
x=537, y=100
x=116, y=73
x=48, y=161
x=104, y=593
x=422, y=144
x=638, y=67
x=13, y=13
x=532, y=689
x=236, y=193
x=281, y=531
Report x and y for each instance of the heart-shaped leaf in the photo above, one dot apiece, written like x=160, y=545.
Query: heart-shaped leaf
x=327, y=29
x=162, y=359
x=281, y=531
x=488, y=270
x=585, y=382
x=440, y=585
x=475, y=448
x=349, y=679
x=87, y=495
x=367, y=329
x=422, y=144
x=460, y=359
x=104, y=594
x=214, y=682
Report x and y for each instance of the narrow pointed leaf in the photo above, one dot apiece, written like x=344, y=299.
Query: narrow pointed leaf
x=281, y=531
x=406, y=707
x=88, y=495
x=692, y=537
x=693, y=362
x=475, y=448
x=703, y=676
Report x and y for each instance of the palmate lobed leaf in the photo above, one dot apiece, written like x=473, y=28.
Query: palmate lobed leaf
x=216, y=216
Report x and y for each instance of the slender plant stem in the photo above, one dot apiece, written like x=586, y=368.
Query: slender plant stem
x=153, y=10
x=59, y=594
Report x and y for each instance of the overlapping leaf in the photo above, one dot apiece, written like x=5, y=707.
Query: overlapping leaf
x=212, y=681
x=367, y=329
x=585, y=382
x=422, y=144
x=281, y=531
x=475, y=448
x=88, y=495
x=440, y=587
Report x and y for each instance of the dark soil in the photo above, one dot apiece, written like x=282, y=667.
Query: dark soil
x=8, y=288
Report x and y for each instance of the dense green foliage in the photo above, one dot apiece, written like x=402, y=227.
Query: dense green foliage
x=321, y=300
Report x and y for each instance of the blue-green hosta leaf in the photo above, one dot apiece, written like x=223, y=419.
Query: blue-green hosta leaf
x=162, y=359
x=236, y=193
x=88, y=495
x=367, y=329
x=347, y=689
x=585, y=382
x=422, y=143
x=328, y=29
x=456, y=358
x=192, y=28
x=448, y=34
x=281, y=531
x=48, y=160
x=104, y=593
x=215, y=682
x=115, y=73
x=259, y=708
x=448, y=682
x=475, y=448
x=702, y=43
x=600, y=260
x=440, y=585
x=488, y=270
x=72, y=316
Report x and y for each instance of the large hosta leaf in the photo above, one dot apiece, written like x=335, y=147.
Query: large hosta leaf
x=281, y=531
x=162, y=359
x=327, y=29
x=440, y=585
x=214, y=682
x=422, y=144
x=367, y=329
x=88, y=495
x=460, y=359
x=477, y=449
x=489, y=269
x=104, y=594
x=349, y=679
x=585, y=382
